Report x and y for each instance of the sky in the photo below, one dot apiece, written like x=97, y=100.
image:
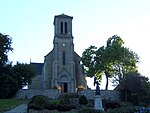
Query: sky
x=30, y=24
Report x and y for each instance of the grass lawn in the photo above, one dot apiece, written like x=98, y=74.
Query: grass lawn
x=7, y=104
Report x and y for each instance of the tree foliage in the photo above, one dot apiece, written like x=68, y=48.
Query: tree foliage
x=23, y=73
x=5, y=47
x=88, y=59
x=113, y=60
x=122, y=59
x=8, y=86
x=12, y=77
x=134, y=87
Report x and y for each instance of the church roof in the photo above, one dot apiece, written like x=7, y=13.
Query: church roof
x=37, y=67
x=62, y=16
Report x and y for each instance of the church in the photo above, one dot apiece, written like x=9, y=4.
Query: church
x=62, y=65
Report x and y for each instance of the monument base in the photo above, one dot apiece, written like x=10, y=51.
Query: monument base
x=98, y=103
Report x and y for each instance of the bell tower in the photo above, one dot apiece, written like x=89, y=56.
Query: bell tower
x=63, y=63
x=63, y=25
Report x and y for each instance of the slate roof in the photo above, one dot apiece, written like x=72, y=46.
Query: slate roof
x=37, y=67
x=62, y=16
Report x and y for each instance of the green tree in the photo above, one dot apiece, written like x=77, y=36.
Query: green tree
x=5, y=47
x=103, y=64
x=8, y=86
x=112, y=60
x=134, y=87
x=122, y=59
x=6, y=81
x=23, y=74
x=88, y=60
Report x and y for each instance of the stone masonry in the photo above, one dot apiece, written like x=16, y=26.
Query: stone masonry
x=53, y=94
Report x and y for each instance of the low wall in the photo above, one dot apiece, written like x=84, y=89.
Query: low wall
x=110, y=95
x=26, y=93
x=105, y=94
x=88, y=93
x=52, y=94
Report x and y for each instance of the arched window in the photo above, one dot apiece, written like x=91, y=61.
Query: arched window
x=61, y=27
x=63, y=58
x=65, y=27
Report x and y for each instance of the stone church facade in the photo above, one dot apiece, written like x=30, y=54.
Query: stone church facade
x=61, y=66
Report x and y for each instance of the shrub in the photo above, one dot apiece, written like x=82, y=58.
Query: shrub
x=56, y=102
x=90, y=110
x=83, y=100
x=90, y=103
x=40, y=100
x=65, y=107
x=35, y=106
x=112, y=105
x=65, y=100
x=8, y=87
x=119, y=110
x=51, y=106
x=135, y=99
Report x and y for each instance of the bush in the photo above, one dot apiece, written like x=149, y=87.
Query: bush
x=56, y=102
x=83, y=100
x=119, y=110
x=145, y=100
x=135, y=99
x=65, y=99
x=40, y=100
x=111, y=104
x=51, y=106
x=34, y=106
x=65, y=107
x=89, y=110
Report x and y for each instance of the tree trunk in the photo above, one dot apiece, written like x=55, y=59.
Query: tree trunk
x=106, y=87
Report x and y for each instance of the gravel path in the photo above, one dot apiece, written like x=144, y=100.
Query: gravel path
x=19, y=109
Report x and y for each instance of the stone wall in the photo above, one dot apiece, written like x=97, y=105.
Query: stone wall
x=110, y=94
x=35, y=83
x=105, y=94
x=52, y=93
x=26, y=93
x=88, y=93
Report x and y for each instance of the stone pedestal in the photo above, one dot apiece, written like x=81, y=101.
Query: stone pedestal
x=98, y=103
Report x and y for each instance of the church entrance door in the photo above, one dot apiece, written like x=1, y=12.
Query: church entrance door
x=64, y=87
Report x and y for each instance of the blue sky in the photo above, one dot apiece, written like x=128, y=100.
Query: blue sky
x=30, y=24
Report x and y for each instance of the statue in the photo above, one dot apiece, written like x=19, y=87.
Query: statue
x=97, y=86
x=97, y=99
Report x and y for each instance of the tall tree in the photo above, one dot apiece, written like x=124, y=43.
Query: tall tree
x=103, y=64
x=23, y=74
x=123, y=60
x=5, y=47
x=128, y=90
x=112, y=60
x=6, y=81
